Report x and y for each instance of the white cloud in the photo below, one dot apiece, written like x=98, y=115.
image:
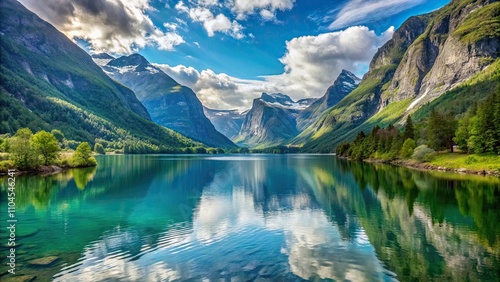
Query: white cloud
x=266, y=8
x=311, y=64
x=364, y=11
x=117, y=26
x=211, y=23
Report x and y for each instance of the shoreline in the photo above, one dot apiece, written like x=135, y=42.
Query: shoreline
x=43, y=170
x=412, y=164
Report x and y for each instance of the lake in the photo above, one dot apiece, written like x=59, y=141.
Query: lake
x=254, y=217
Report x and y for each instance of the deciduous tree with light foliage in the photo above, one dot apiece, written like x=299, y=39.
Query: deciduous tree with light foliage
x=83, y=156
x=46, y=146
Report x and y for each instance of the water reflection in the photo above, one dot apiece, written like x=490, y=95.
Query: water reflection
x=281, y=217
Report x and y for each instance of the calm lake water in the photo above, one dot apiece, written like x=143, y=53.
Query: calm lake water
x=255, y=217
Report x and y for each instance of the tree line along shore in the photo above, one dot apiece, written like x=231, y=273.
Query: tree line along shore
x=470, y=144
x=42, y=152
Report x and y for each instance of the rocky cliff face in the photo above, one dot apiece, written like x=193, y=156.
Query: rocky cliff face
x=169, y=103
x=227, y=122
x=446, y=54
x=345, y=83
x=271, y=120
x=427, y=56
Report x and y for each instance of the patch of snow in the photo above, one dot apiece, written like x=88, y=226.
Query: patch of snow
x=101, y=62
x=414, y=103
x=152, y=70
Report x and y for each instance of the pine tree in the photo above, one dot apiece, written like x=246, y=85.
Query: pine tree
x=409, y=132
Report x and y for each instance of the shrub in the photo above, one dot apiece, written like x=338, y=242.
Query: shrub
x=5, y=165
x=470, y=160
x=408, y=147
x=83, y=156
x=423, y=153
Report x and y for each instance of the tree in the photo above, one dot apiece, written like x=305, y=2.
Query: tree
x=58, y=135
x=462, y=134
x=409, y=129
x=407, y=150
x=46, y=145
x=21, y=149
x=440, y=131
x=98, y=148
x=83, y=156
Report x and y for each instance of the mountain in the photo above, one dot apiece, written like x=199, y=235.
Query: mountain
x=271, y=120
x=48, y=82
x=227, y=122
x=345, y=83
x=170, y=104
x=450, y=53
x=102, y=59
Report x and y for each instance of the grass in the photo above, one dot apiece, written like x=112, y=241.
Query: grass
x=481, y=24
x=467, y=161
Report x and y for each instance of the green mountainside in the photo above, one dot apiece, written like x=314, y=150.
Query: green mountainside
x=47, y=82
x=443, y=60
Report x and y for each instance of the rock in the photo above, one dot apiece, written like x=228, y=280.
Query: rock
x=21, y=278
x=49, y=169
x=46, y=261
x=462, y=170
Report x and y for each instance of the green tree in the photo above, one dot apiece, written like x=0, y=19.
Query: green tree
x=409, y=129
x=58, y=135
x=98, y=148
x=440, y=131
x=462, y=134
x=46, y=145
x=483, y=129
x=407, y=150
x=21, y=149
x=83, y=156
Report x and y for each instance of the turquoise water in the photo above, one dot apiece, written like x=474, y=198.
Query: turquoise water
x=255, y=217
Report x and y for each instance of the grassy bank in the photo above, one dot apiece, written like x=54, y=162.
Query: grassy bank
x=467, y=161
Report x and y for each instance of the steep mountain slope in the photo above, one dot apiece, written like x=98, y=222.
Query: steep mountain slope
x=428, y=56
x=345, y=83
x=271, y=121
x=169, y=103
x=48, y=82
x=227, y=122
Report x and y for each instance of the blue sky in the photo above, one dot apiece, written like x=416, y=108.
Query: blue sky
x=229, y=51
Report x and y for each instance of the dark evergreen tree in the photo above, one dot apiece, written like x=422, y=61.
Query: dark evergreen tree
x=409, y=132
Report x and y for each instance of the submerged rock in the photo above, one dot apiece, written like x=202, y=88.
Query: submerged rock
x=21, y=278
x=46, y=261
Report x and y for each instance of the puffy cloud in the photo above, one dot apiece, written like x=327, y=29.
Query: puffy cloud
x=212, y=23
x=117, y=26
x=266, y=8
x=364, y=11
x=311, y=64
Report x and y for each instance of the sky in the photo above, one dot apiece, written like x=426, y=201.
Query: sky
x=230, y=51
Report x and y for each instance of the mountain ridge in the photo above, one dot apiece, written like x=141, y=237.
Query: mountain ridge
x=169, y=103
x=422, y=61
x=48, y=82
